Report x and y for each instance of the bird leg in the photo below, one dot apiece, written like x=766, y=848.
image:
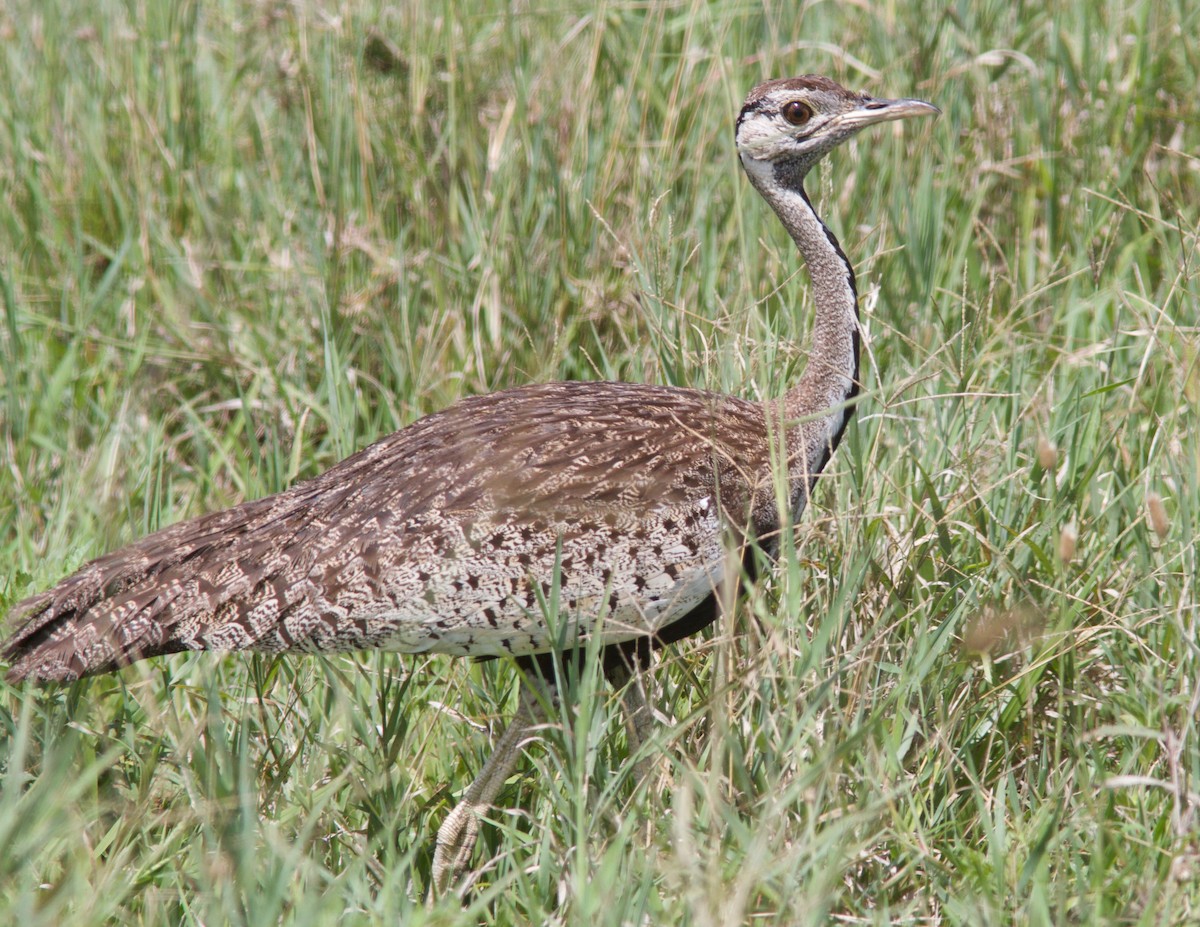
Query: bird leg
x=626, y=677
x=457, y=836
x=459, y=832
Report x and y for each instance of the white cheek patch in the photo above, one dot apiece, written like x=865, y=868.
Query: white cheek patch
x=759, y=170
x=765, y=138
x=762, y=138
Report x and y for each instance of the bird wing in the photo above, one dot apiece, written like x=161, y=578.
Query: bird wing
x=457, y=534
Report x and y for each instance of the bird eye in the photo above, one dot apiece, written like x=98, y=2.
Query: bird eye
x=797, y=113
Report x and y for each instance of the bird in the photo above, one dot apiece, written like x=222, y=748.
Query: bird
x=617, y=502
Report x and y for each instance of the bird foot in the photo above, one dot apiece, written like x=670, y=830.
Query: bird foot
x=459, y=832
x=455, y=842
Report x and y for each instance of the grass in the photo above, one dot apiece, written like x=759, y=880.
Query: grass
x=239, y=241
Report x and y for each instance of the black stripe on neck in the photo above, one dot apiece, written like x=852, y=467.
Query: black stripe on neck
x=856, y=338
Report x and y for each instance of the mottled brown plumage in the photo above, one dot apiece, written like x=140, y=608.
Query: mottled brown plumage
x=438, y=538
x=619, y=502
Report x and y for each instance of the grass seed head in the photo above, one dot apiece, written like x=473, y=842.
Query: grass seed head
x=1156, y=515
x=1067, y=541
x=1047, y=454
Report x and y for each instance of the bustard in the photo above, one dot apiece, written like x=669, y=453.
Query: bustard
x=451, y=535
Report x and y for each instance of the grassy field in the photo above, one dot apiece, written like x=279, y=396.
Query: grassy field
x=240, y=240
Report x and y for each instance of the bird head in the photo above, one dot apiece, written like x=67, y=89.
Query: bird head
x=787, y=126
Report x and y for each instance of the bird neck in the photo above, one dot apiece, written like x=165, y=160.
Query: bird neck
x=815, y=411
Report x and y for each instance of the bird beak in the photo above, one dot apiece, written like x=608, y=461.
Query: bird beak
x=872, y=111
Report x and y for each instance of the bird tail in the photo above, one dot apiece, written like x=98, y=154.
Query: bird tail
x=154, y=597
x=65, y=636
x=69, y=652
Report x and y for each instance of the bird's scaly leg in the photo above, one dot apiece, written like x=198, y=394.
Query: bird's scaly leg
x=457, y=836
x=626, y=676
